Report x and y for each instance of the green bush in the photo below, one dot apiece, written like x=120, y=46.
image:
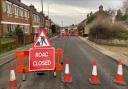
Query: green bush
x=7, y=40
x=19, y=31
x=11, y=33
x=121, y=35
x=7, y=44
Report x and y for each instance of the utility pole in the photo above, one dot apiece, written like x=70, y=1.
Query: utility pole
x=48, y=20
x=42, y=4
x=48, y=10
x=62, y=23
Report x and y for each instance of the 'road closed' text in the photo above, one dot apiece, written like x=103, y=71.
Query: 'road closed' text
x=41, y=54
x=41, y=63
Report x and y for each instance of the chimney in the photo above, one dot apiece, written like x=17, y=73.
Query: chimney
x=101, y=8
x=32, y=7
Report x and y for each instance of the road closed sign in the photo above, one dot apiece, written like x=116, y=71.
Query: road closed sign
x=41, y=59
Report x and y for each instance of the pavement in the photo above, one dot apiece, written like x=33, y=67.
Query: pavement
x=80, y=55
x=9, y=56
x=114, y=55
x=116, y=49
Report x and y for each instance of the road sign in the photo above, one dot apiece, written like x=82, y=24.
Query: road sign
x=42, y=40
x=42, y=59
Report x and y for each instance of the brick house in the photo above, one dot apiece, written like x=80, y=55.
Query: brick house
x=47, y=24
x=42, y=16
x=14, y=13
x=35, y=20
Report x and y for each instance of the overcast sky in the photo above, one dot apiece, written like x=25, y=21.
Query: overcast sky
x=69, y=12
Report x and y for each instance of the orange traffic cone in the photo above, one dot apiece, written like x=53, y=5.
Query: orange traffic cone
x=67, y=75
x=94, y=78
x=12, y=83
x=119, y=79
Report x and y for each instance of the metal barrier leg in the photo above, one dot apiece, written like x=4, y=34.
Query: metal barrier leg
x=48, y=75
x=54, y=73
x=24, y=76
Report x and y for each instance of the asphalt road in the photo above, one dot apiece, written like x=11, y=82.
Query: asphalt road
x=80, y=57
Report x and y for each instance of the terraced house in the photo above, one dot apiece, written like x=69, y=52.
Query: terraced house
x=14, y=13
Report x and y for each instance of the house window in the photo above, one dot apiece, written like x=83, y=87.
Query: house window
x=38, y=19
x=21, y=12
x=34, y=16
x=8, y=8
x=36, y=30
x=16, y=10
x=25, y=14
x=28, y=14
x=26, y=30
x=10, y=27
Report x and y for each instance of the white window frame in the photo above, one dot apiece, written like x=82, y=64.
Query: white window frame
x=8, y=8
x=26, y=29
x=16, y=10
x=26, y=14
x=34, y=17
x=20, y=10
x=21, y=13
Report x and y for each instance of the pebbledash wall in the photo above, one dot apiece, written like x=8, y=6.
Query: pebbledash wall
x=16, y=13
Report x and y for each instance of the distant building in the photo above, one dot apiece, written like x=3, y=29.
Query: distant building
x=81, y=27
x=72, y=28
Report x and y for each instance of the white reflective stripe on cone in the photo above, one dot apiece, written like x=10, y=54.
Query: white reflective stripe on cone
x=67, y=69
x=12, y=75
x=94, y=71
x=120, y=70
